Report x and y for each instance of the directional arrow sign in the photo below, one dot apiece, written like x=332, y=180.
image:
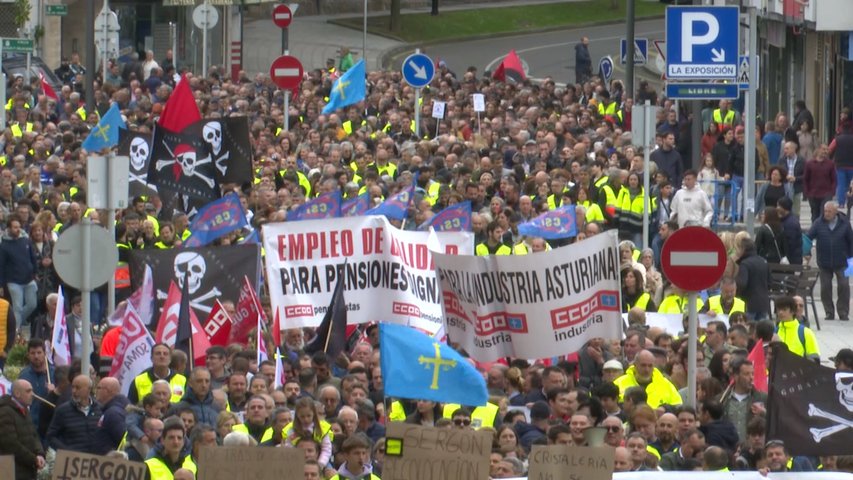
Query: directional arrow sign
x=418, y=70
x=702, y=42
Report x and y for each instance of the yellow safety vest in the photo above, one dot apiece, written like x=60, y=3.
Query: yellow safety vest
x=16, y=129
x=372, y=477
x=607, y=110
x=715, y=305
x=303, y=181
x=483, y=250
x=243, y=428
x=397, y=413
x=593, y=212
x=143, y=384
x=159, y=470
x=789, y=332
x=432, y=193
x=642, y=302
x=481, y=417
x=389, y=169
x=660, y=390
x=4, y=315
x=728, y=120
x=325, y=429
x=676, y=304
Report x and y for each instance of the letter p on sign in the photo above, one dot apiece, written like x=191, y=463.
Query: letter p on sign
x=689, y=38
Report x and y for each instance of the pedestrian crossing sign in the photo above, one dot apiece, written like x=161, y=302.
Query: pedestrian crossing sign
x=743, y=72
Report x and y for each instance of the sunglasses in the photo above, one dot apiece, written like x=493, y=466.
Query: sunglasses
x=460, y=422
x=613, y=429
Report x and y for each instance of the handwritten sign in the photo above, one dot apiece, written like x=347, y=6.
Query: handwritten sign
x=438, y=109
x=479, y=102
x=230, y=463
x=83, y=466
x=413, y=452
x=564, y=462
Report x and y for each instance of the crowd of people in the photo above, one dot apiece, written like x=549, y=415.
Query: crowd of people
x=536, y=148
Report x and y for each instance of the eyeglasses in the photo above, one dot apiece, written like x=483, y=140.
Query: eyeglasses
x=462, y=421
x=613, y=429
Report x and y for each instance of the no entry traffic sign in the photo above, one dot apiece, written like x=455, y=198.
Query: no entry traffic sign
x=282, y=16
x=286, y=72
x=693, y=258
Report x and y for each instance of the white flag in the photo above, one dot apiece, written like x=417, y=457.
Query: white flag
x=262, y=345
x=142, y=300
x=133, y=353
x=60, y=340
x=279, y=370
x=5, y=385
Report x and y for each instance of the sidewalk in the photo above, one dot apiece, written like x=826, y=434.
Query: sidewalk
x=313, y=40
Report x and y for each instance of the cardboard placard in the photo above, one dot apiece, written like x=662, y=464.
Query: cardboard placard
x=413, y=452
x=7, y=467
x=438, y=109
x=231, y=463
x=83, y=466
x=558, y=462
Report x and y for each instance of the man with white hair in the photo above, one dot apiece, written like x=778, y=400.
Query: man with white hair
x=834, y=244
x=348, y=418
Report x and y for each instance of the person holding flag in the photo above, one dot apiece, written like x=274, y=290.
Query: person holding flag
x=105, y=134
x=347, y=90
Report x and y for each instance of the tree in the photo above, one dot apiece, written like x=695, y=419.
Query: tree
x=434, y=11
x=22, y=13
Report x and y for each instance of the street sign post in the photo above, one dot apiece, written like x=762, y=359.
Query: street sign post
x=418, y=70
x=605, y=67
x=17, y=45
x=641, y=51
x=701, y=91
x=743, y=76
x=702, y=43
x=643, y=134
x=693, y=259
x=56, y=10
x=282, y=16
x=205, y=17
x=286, y=72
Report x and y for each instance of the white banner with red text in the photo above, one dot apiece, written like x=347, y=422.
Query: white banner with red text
x=539, y=305
x=389, y=273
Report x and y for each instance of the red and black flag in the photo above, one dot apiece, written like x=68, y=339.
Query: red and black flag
x=331, y=336
x=510, y=69
x=809, y=407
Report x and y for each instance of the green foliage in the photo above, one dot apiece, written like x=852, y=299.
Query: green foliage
x=17, y=356
x=422, y=27
x=11, y=372
x=22, y=13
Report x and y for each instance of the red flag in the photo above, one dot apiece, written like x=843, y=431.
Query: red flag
x=510, y=68
x=218, y=325
x=248, y=314
x=756, y=356
x=180, y=110
x=276, y=329
x=49, y=92
x=167, y=326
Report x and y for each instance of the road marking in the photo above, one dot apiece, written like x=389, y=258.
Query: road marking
x=693, y=259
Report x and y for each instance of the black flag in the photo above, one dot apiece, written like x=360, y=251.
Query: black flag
x=331, y=335
x=230, y=147
x=137, y=146
x=184, y=335
x=182, y=162
x=810, y=407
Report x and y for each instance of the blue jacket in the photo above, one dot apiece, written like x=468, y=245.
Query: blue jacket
x=112, y=426
x=71, y=429
x=17, y=260
x=793, y=239
x=834, y=246
x=39, y=383
x=205, y=410
x=528, y=433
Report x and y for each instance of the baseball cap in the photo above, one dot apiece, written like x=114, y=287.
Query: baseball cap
x=613, y=365
x=845, y=356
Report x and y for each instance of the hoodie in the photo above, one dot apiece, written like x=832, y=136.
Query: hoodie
x=205, y=410
x=528, y=433
x=721, y=433
x=17, y=260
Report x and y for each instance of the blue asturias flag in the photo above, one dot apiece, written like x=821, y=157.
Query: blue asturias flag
x=105, y=134
x=216, y=219
x=455, y=218
x=558, y=223
x=356, y=206
x=396, y=206
x=419, y=367
x=348, y=89
x=327, y=205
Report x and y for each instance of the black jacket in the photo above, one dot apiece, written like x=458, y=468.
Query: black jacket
x=721, y=433
x=71, y=429
x=793, y=233
x=18, y=437
x=113, y=425
x=753, y=279
x=769, y=244
x=833, y=246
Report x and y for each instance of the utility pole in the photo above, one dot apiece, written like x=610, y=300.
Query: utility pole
x=89, y=77
x=750, y=107
x=629, y=50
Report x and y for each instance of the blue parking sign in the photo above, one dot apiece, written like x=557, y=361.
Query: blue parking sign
x=702, y=42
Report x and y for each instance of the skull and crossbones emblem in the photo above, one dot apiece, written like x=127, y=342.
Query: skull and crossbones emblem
x=138, y=156
x=844, y=386
x=191, y=265
x=212, y=134
x=186, y=162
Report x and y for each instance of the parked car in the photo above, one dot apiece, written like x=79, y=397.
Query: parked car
x=16, y=64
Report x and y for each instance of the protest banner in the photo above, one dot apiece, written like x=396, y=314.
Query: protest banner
x=133, y=353
x=231, y=463
x=533, y=306
x=413, y=452
x=568, y=462
x=83, y=466
x=7, y=467
x=389, y=275
x=673, y=323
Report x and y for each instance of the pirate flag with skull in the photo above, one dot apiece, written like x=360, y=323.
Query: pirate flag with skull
x=182, y=162
x=809, y=407
x=137, y=147
x=230, y=147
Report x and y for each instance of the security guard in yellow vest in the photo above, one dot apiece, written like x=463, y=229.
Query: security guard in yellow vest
x=726, y=303
x=168, y=456
x=161, y=357
x=677, y=303
x=256, y=421
x=724, y=116
x=483, y=416
x=493, y=245
x=18, y=132
x=606, y=106
x=608, y=200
